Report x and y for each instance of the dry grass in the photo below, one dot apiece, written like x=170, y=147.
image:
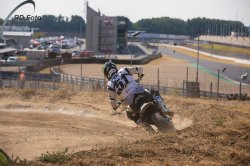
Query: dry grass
x=62, y=95
x=220, y=135
x=26, y=93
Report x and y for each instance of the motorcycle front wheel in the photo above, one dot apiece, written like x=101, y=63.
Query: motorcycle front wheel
x=162, y=123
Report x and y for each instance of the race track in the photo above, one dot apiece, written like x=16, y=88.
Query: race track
x=232, y=72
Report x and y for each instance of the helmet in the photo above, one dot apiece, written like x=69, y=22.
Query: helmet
x=109, y=69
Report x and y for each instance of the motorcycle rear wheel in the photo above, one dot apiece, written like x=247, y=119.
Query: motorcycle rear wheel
x=163, y=124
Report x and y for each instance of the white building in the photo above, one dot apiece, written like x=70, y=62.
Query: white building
x=18, y=37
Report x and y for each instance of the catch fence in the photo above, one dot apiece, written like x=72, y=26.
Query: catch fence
x=57, y=80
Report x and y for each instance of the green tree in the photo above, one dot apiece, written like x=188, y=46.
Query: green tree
x=165, y=25
x=1, y=21
x=129, y=24
x=77, y=24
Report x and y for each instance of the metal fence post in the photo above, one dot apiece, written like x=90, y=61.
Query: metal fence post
x=81, y=83
x=211, y=89
x=93, y=84
x=218, y=84
x=73, y=87
x=183, y=88
x=104, y=83
x=240, y=91
x=54, y=82
x=18, y=83
x=38, y=80
x=35, y=85
x=158, y=79
x=59, y=80
x=187, y=75
x=81, y=70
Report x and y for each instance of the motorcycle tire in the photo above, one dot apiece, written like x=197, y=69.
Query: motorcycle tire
x=163, y=124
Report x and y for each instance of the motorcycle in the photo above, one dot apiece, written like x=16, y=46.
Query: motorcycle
x=150, y=110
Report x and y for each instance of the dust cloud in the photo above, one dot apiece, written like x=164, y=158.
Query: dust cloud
x=181, y=123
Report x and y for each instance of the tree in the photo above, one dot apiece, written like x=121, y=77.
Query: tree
x=164, y=25
x=77, y=24
x=1, y=21
x=128, y=23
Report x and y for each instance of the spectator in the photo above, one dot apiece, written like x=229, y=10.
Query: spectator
x=22, y=79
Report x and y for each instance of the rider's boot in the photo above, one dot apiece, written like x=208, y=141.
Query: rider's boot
x=158, y=100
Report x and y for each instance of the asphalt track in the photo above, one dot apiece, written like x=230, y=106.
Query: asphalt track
x=232, y=72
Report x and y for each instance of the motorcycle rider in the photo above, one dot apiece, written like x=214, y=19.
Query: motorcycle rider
x=122, y=85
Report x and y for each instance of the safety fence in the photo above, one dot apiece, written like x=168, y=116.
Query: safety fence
x=49, y=81
x=57, y=80
x=172, y=76
x=32, y=81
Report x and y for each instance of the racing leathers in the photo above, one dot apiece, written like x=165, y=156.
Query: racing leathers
x=123, y=86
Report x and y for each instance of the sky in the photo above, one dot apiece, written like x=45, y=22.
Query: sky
x=137, y=9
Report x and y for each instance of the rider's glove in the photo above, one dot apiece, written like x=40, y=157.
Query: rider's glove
x=140, y=75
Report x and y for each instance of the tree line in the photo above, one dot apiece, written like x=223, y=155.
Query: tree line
x=191, y=27
x=164, y=25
